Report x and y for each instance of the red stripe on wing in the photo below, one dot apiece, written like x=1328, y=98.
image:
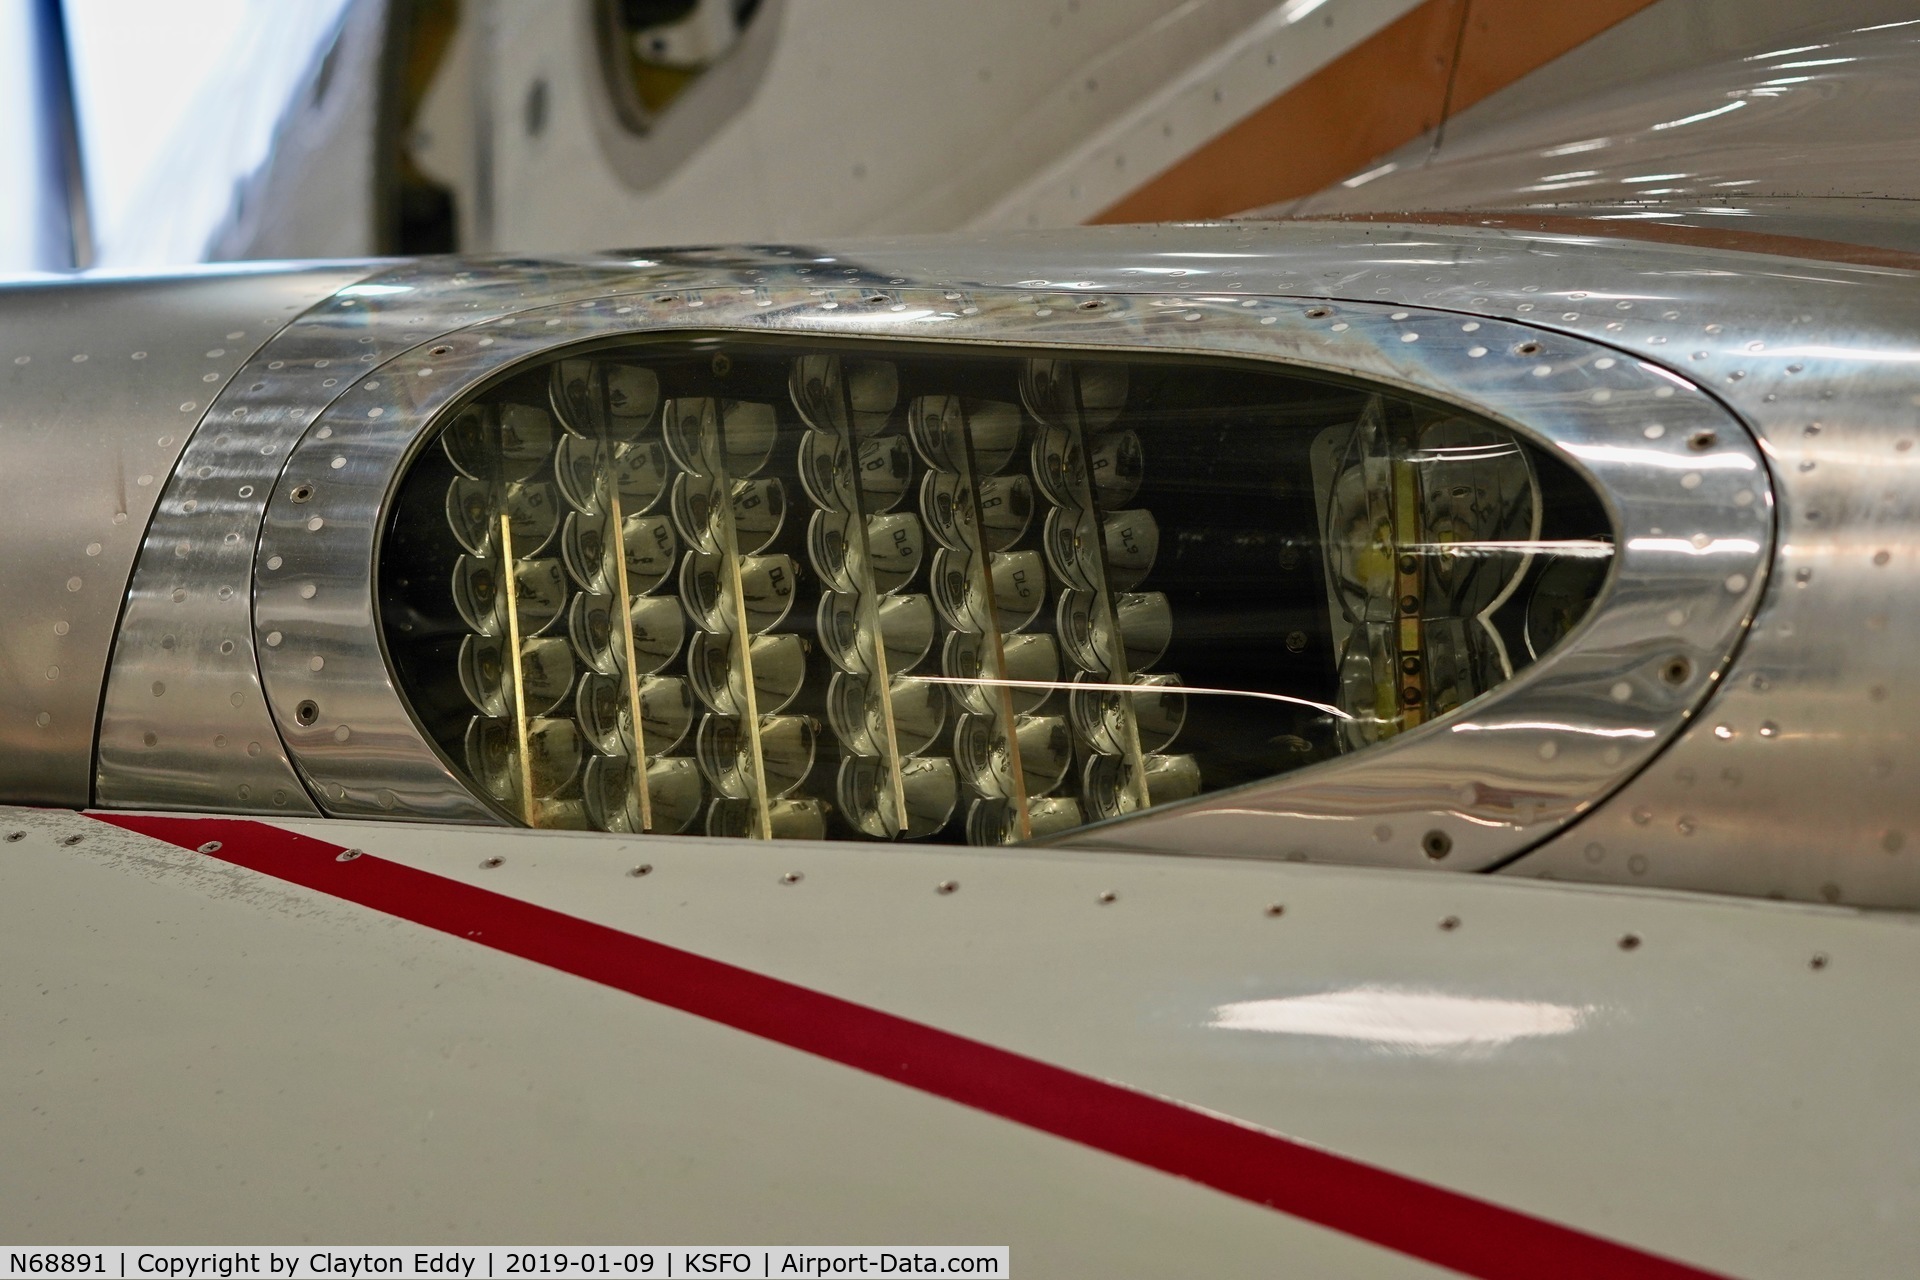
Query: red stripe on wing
x=1416, y=1218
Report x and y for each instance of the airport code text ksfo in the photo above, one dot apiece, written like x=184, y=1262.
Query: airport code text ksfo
x=757, y=1262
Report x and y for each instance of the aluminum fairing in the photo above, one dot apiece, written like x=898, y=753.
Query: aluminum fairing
x=1804, y=735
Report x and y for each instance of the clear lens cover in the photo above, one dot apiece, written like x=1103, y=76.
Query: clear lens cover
x=1017, y=592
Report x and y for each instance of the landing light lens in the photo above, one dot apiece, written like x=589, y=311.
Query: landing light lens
x=887, y=592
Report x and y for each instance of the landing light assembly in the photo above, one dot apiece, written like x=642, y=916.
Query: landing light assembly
x=761, y=588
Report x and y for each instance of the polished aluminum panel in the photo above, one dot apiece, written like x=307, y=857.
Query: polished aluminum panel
x=183, y=725
x=101, y=384
x=1689, y=496
x=1813, y=789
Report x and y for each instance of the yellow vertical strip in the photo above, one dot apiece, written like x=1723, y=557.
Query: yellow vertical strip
x=624, y=604
x=861, y=556
x=1410, y=635
x=996, y=644
x=721, y=520
x=1103, y=596
x=519, y=683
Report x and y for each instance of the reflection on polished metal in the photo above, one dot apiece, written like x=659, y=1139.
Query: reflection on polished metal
x=101, y=384
x=1693, y=521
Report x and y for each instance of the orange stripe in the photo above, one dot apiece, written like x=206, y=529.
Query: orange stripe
x=1381, y=94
